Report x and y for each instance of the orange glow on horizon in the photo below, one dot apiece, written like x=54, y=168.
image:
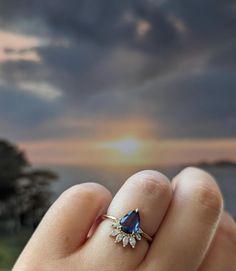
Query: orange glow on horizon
x=129, y=151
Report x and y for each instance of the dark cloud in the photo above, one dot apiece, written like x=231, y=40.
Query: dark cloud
x=98, y=33
x=20, y=110
x=81, y=70
x=14, y=72
x=209, y=20
x=196, y=105
x=225, y=58
x=112, y=23
x=110, y=59
x=105, y=22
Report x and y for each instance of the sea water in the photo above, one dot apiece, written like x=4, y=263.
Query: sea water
x=114, y=176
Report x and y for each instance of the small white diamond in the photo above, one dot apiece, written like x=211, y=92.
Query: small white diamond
x=138, y=236
x=125, y=241
x=119, y=237
x=132, y=242
x=115, y=232
x=115, y=225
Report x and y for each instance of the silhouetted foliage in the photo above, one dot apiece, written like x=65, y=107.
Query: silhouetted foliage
x=12, y=164
x=24, y=191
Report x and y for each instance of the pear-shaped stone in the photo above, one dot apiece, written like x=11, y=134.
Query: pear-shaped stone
x=130, y=223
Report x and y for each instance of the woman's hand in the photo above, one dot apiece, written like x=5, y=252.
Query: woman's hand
x=186, y=219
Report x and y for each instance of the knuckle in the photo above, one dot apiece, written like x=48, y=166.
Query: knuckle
x=152, y=182
x=209, y=198
x=203, y=188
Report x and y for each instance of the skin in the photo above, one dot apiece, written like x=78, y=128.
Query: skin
x=185, y=217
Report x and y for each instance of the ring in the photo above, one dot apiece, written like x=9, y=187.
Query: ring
x=127, y=228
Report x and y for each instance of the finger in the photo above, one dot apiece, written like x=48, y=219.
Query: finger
x=189, y=225
x=66, y=225
x=222, y=253
x=150, y=192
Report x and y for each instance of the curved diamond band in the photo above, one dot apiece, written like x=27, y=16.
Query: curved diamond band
x=127, y=228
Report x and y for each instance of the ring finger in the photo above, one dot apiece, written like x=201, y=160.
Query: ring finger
x=151, y=193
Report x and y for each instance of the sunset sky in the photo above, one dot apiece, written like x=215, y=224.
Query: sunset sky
x=119, y=82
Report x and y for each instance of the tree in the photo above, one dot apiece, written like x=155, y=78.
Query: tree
x=24, y=191
x=12, y=164
x=34, y=194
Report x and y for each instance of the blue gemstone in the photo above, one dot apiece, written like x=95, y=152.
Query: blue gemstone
x=130, y=223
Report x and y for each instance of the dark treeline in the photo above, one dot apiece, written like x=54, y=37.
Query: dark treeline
x=24, y=191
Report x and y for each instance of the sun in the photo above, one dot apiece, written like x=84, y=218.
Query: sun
x=126, y=145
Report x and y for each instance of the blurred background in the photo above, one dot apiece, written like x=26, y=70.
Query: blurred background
x=97, y=90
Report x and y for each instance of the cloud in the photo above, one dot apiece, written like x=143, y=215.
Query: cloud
x=22, y=114
x=171, y=62
x=224, y=58
x=15, y=47
x=193, y=104
x=208, y=21
x=109, y=23
x=42, y=90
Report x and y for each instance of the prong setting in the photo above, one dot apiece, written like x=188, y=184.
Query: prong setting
x=126, y=238
x=127, y=230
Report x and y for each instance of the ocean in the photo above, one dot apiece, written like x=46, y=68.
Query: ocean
x=114, y=177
